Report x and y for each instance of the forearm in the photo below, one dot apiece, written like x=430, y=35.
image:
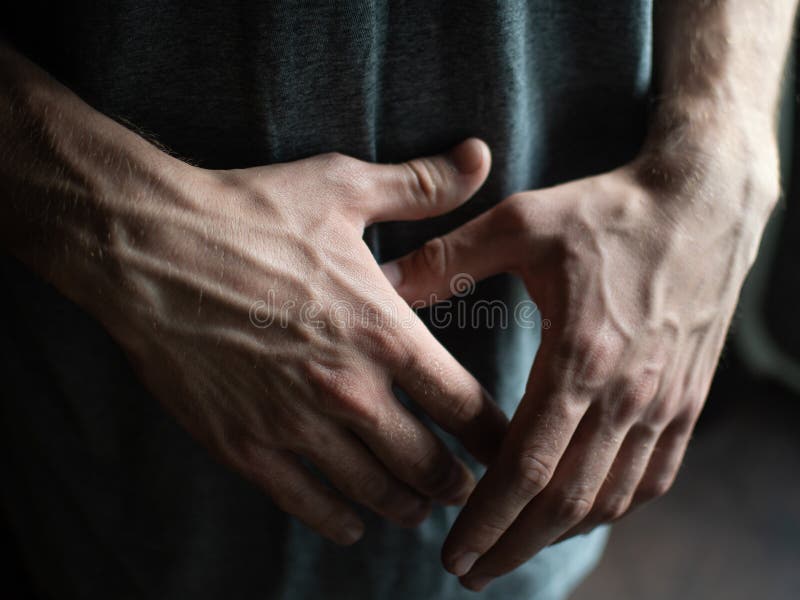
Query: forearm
x=718, y=71
x=723, y=55
x=67, y=175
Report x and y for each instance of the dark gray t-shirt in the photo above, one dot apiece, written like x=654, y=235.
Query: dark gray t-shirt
x=109, y=497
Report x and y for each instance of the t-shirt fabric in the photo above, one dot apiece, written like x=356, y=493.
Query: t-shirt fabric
x=107, y=495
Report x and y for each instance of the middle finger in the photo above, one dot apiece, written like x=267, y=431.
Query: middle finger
x=566, y=501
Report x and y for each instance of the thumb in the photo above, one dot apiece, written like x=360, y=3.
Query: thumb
x=451, y=264
x=426, y=187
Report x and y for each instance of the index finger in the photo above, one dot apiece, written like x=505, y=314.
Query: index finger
x=537, y=439
x=450, y=394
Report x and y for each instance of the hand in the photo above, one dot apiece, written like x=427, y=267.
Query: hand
x=638, y=272
x=252, y=309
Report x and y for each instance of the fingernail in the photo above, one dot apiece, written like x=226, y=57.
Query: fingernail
x=393, y=272
x=461, y=564
x=468, y=156
x=352, y=530
x=478, y=583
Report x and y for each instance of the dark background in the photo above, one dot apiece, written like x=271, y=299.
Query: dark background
x=730, y=528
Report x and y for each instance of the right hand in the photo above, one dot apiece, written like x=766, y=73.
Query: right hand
x=191, y=267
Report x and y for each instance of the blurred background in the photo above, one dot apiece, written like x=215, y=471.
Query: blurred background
x=730, y=527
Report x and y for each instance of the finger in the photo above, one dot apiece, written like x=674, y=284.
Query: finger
x=526, y=224
x=477, y=249
x=616, y=496
x=355, y=471
x=296, y=491
x=413, y=453
x=665, y=461
x=537, y=438
x=425, y=187
x=671, y=446
x=449, y=394
x=567, y=500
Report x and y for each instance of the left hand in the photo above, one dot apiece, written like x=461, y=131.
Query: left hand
x=638, y=272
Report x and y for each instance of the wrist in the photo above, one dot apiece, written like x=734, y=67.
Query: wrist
x=703, y=146
x=80, y=183
x=710, y=174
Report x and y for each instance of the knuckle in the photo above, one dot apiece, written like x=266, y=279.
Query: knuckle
x=423, y=181
x=655, y=489
x=514, y=213
x=290, y=428
x=384, y=340
x=452, y=396
x=342, y=397
x=434, y=256
x=492, y=527
x=533, y=472
x=458, y=397
x=634, y=398
x=229, y=439
x=336, y=164
x=432, y=471
x=359, y=410
x=291, y=496
x=292, y=436
x=328, y=520
x=612, y=509
x=661, y=411
x=375, y=489
x=694, y=404
x=346, y=174
x=527, y=217
x=570, y=509
x=460, y=405
x=683, y=424
x=455, y=409
x=243, y=453
x=587, y=359
x=511, y=220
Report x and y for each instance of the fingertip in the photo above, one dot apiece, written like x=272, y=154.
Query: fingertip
x=486, y=154
x=351, y=530
x=475, y=583
x=460, y=564
x=471, y=156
